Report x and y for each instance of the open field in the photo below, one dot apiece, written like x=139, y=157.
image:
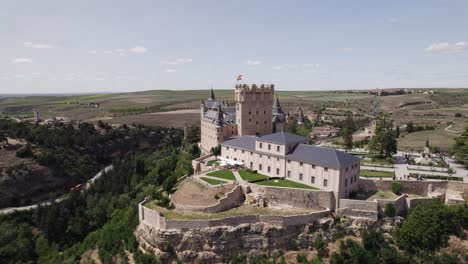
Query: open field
x=241, y=210
x=176, y=108
x=417, y=140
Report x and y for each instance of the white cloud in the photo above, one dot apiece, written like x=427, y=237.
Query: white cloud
x=138, y=49
x=171, y=70
x=446, y=47
x=21, y=60
x=253, y=62
x=177, y=62
x=37, y=45
x=393, y=20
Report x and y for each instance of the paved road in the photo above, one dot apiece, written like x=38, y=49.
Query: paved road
x=33, y=206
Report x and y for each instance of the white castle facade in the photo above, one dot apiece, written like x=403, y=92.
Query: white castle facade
x=253, y=132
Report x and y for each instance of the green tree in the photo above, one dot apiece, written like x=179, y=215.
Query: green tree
x=389, y=210
x=410, y=127
x=348, y=129
x=429, y=225
x=397, y=131
x=396, y=187
x=383, y=143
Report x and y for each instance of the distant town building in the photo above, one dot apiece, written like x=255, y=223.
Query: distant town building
x=36, y=115
x=324, y=132
x=301, y=118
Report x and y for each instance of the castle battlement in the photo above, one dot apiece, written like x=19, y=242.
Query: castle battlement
x=266, y=88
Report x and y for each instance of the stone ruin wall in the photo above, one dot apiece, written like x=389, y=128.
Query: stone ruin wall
x=292, y=197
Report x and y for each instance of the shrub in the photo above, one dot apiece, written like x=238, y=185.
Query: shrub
x=458, y=115
x=390, y=210
x=24, y=152
x=396, y=187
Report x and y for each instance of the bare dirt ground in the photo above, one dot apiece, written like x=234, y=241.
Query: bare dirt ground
x=90, y=257
x=165, y=119
x=193, y=193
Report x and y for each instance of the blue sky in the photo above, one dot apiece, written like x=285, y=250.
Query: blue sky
x=56, y=46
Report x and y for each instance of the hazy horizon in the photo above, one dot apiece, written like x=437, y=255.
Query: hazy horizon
x=55, y=46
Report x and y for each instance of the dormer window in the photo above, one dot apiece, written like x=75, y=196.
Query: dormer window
x=261, y=145
x=269, y=146
x=278, y=148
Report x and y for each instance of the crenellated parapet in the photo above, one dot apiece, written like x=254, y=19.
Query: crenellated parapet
x=267, y=88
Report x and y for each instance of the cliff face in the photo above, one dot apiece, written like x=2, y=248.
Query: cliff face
x=218, y=244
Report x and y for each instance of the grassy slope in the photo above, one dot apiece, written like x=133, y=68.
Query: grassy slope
x=223, y=174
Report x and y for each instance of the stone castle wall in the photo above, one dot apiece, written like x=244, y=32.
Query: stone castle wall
x=232, y=199
x=413, y=187
x=154, y=219
x=292, y=197
x=400, y=204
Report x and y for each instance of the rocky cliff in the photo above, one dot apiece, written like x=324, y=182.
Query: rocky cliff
x=218, y=244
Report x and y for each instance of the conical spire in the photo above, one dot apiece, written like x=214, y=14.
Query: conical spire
x=300, y=120
x=212, y=95
x=219, y=121
x=277, y=107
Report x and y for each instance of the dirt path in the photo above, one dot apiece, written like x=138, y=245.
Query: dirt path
x=448, y=130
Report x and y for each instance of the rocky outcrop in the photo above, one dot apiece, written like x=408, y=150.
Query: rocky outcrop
x=218, y=244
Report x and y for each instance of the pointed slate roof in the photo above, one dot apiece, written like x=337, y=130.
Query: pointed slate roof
x=277, y=107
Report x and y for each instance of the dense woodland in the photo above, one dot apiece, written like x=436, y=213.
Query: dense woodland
x=105, y=216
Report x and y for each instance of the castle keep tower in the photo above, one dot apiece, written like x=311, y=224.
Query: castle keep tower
x=253, y=109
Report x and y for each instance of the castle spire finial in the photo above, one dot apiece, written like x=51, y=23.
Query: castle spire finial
x=212, y=95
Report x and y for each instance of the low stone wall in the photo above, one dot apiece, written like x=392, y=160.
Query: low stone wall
x=359, y=204
x=232, y=199
x=413, y=202
x=353, y=213
x=399, y=203
x=461, y=187
x=154, y=219
x=200, y=163
x=295, y=197
x=412, y=187
x=150, y=217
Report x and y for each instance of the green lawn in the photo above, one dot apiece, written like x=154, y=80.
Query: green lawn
x=213, y=162
x=223, y=174
x=250, y=176
x=285, y=183
x=212, y=181
x=377, y=162
x=372, y=173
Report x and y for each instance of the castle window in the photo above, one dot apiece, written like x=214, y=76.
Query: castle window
x=289, y=174
x=312, y=179
x=277, y=171
x=269, y=146
x=278, y=148
x=268, y=168
x=289, y=161
x=300, y=176
x=264, y=112
x=325, y=169
x=235, y=150
x=250, y=120
x=242, y=151
x=257, y=112
x=251, y=165
x=261, y=145
x=268, y=157
x=325, y=182
x=301, y=163
x=250, y=113
x=265, y=122
x=257, y=122
x=313, y=166
x=217, y=138
x=251, y=153
x=277, y=159
x=235, y=159
x=346, y=182
x=259, y=166
x=346, y=169
x=260, y=155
